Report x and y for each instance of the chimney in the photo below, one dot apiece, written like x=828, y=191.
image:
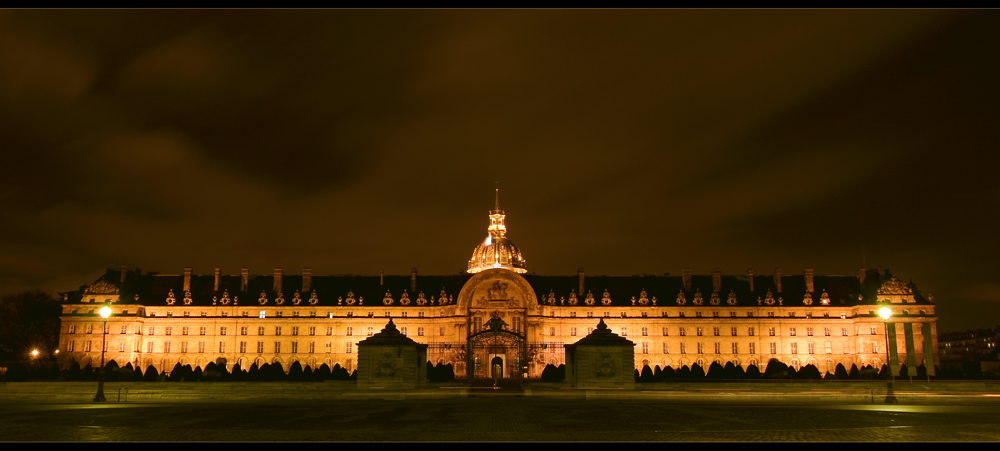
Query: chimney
x=809, y=280
x=277, y=279
x=218, y=277
x=579, y=273
x=413, y=281
x=381, y=278
x=860, y=274
x=307, y=278
x=750, y=278
x=716, y=280
x=124, y=271
x=686, y=278
x=187, y=279
x=777, y=279
x=244, y=278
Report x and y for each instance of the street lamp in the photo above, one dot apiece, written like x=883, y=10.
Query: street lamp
x=105, y=313
x=890, y=397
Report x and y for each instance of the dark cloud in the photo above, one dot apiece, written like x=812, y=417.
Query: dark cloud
x=623, y=141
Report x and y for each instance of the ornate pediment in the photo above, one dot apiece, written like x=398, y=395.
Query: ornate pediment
x=262, y=299
x=225, y=298
x=894, y=286
x=714, y=300
x=606, y=298
x=387, y=299
x=697, y=298
x=170, y=297
x=681, y=299
x=807, y=299
x=589, y=299
x=572, y=297
x=297, y=298
x=769, y=298
x=643, y=299
x=405, y=299
x=731, y=300
x=187, y=298
x=824, y=298
x=498, y=292
x=101, y=287
x=312, y=298
x=421, y=299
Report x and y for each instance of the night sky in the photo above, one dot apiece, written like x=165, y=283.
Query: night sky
x=624, y=142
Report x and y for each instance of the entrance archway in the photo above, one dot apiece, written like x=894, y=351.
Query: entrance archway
x=495, y=345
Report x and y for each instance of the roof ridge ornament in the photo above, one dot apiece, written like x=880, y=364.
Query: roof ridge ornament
x=496, y=251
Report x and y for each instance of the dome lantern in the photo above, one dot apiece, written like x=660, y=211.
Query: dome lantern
x=496, y=251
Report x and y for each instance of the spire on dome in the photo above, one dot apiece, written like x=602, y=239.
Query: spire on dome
x=496, y=251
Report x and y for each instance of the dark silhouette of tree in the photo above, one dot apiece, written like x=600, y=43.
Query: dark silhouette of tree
x=715, y=372
x=16, y=372
x=791, y=373
x=668, y=374
x=75, y=373
x=253, y=374
x=340, y=373
x=295, y=372
x=196, y=374
x=28, y=320
x=550, y=373
x=278, y=372
x=354, y=375
x=841, y=372
x=89, y=374
x=449, y=373
x=323, y=373
x=904, y=371
x=136, y=374
x=646, y=376
x=151, y=374
x=307, y=374
x=561, y=372
x=728, y=371
x=636, y=375
x=657, y=374
x=738, y=372
x=883, y=372
x=684, y=373
x=753, y=373
x=697, y=373
x=775, y=370
x=922, y=372
x=810, y=372
x=855, y=373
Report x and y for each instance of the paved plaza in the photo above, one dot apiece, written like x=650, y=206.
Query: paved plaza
x=496, y=418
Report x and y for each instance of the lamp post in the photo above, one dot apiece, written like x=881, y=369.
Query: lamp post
x=890, y=397
x=105, y=313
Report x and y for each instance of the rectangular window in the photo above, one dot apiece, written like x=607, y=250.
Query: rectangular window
x=442, y=331
x=124, y=329
x=809, y=331
x=826, y=331
x=812, y=348
x=350, y=331
x=683, y=333
x=697, y=314
x=204, y=314
x=590, y=314
x=572, y=331
x=295, y=330
x=829, y=347
x=645, y=348
x=664, y=314
x=770, y=314
x=261, y=314
x=86, y=348
x=681, y=314
x=774, y=348
x=260, y=330
x=420, y=331
x=843, y=316
x=166, y=347
x=222, y=347
x=312, y=330
x=404, y=314
x=295, y=314
x=149, y=347
x=843, y=331
x=718, y=348
x=753, y=349
x=277, y=347
x=72, y=328
x=666, y=349
x=874, y=348
x=665, y=332
x=701, y=348
x=715, y=314
x=72, y=344
x=846, y=348
x=791, y=314
x=201, y=347
x=795, y=348
x=312, y=348
x=552, y=331
x=624, y=315
x=295, y=347
x=572, y=314
x=260, y=347
x=732, y=314
x=698, y=331
x=329, y=347
x=277, y=330
x=420, y=314
x=749, y=314
x=590, y=330
x=732, y=330
x=791, y=331
x=750, y=331
x=171, y=329
x=329, y=330
x=312, y=314
x=683, y=348
x=349, y=348
x=369, y=331
x=402, y=330
x=872, y=328
x=278, y=314
x=736, y=348
x=184, y=347
x=121, y=346
x=715, y=331
x=770, y=331
x=644, y=332
x=184, y=330
x=624, y=331
x=243, y=347
x=388, y=314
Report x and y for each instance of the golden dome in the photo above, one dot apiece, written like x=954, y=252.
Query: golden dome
x=496, y=251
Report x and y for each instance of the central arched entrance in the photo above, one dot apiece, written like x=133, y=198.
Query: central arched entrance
x=495, y=356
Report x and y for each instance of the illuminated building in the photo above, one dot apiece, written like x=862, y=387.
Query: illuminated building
x=162, y=320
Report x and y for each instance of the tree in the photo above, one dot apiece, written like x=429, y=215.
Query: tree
x=668, y=374
x=739, y=373
x=684, y=373
x=841, y=372
x=151, y=374
x=753, y=373
x=775, y=370
x=922, y=372
x=810, y=372
x=657, y=374
x=307, y=374
x=697, y=373
x=646, y=376
x=904, y=371
x=323, y=373
x=278, y=372
x=716, y=371
x=550, y=373
x=28, y=320
x=855, y=374
x=295, y=372
x=136, y=374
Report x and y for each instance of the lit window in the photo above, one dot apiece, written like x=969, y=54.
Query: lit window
x=843, y=316
x=843, y=331
x=261, y=315
x=812, y=348
x=624, y=331
x=402, y=330
x=791, y=331
x=826, y=331
x=698, y=331
x=795, y=348
x=829, y=347
x=770, y=331
x=124, y=329
x=369, y=331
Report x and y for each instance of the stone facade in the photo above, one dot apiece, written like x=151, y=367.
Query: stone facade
x=390, y=360
x=602, y=359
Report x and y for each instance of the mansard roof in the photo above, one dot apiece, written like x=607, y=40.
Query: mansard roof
x=153, y=289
